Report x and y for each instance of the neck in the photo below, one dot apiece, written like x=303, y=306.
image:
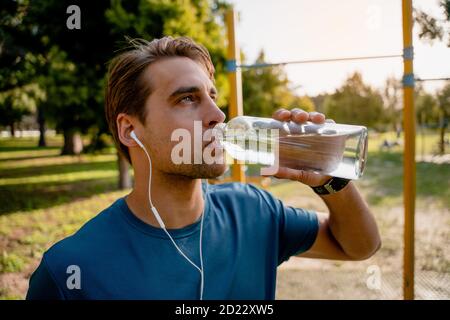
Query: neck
x=178, y=199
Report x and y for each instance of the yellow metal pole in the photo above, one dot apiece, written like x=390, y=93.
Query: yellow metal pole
x=235, y=81
x=409, y=162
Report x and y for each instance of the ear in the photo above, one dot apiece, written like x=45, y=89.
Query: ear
x=125, y=124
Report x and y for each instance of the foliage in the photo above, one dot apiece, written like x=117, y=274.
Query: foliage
x=267, y=89
x=432, y=28
x=356, y=103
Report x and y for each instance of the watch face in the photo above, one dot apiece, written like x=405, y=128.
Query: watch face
x=339, y=183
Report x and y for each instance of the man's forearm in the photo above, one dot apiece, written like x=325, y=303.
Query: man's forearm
x=351, y=222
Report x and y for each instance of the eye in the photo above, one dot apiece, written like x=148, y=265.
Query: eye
x=188, y=99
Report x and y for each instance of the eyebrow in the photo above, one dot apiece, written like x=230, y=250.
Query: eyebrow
x=192, y=89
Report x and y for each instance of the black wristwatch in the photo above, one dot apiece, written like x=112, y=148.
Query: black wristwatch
x=331, y=186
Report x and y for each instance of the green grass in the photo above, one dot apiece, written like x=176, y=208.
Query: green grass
x=426, y=142
x=45, y=197
x=48, y=179
x=384, y=175
x=10, y=262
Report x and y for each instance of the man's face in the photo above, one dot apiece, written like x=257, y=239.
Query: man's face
x=182, y=93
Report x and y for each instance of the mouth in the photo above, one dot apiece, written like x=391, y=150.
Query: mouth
x=214, y=143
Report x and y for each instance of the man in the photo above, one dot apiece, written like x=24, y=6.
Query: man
x=218, y=241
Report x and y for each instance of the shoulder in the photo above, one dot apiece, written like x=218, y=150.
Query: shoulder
x=80, y=246
x=47, y=281
x=43, y=286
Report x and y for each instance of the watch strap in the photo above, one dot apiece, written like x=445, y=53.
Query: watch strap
x=331, y=186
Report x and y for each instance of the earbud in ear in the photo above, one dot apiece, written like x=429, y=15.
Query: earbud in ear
x=135, y=138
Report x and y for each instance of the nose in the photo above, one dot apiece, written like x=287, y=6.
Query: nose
x=213, y=115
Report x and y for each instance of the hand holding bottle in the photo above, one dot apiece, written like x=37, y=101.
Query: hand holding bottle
x=300, y=116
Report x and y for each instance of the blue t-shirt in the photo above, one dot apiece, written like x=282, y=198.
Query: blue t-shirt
x=247, y=233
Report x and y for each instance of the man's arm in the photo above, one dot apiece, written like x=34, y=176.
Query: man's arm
x=349, y=232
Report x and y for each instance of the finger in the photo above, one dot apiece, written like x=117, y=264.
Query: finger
x=299, y=115
x=292, y=174
x=282, y=115
x=316, y=117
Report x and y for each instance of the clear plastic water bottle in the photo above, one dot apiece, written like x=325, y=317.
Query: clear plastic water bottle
x=337, y=150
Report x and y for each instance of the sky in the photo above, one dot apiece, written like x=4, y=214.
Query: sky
x=290, y=30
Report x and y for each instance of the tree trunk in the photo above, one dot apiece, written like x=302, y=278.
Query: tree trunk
x=124, y=173
x=41, y=122
x=442, y=133
x=12, y=129
x=73, y=144
x=422, y=134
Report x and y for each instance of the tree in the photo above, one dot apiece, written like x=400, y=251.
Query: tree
x=18, y=94
x=267, y=89
x=427, y=112
x=434, y=110
x=71, y=67
x=356, y=103
x=432, y=28
x=11, y=111
x=319, y=101
x=18, y=102
x=444, y=108
x=304, y=102
x=427, y=108
x=392, y=95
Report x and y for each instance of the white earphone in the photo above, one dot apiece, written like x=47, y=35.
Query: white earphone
x=161, y=223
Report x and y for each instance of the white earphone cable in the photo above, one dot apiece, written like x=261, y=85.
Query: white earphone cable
x=161, y=223
x=202, y=280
